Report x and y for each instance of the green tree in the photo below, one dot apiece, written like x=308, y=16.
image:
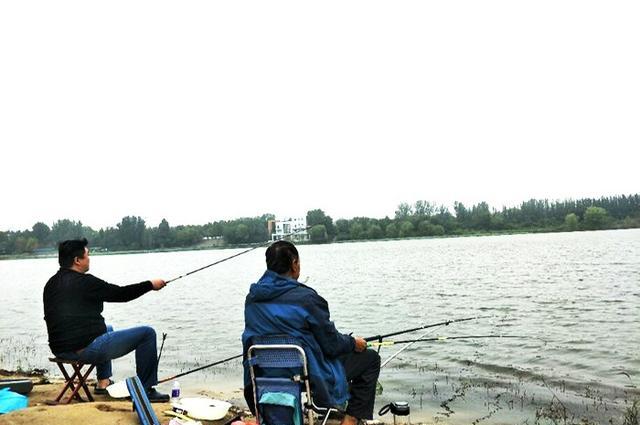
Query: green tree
x=41, y=232
x=497, y=221
x=107, y=238
x=423, y=228
x=131, y=232
x=595, y=218
x=4, y=242
x=318, y=216
x=187, y=236
x=481, y=216
x=436, y=230
x=318, y=233
x=404, y=210
x=391, y=230
x=25, y=244
x=315, y=217
x=213, y=229
x=424, y=208
x=571, y=222
x=406, y=229
x=163, y=234
x=356, y=231
x=242, y=233
x=627, y=223
x=65, y=229
x=342, y=229
x=462, y=214
x=374, y=232
x=444, y=218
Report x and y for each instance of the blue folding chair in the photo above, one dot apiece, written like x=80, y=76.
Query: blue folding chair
x=280, y=376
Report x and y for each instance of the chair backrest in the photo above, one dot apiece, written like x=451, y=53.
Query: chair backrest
x=279, y=375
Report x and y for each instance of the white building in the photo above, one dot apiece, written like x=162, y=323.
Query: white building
x=294, y=228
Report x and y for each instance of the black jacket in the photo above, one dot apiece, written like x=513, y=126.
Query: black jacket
x=73, y=304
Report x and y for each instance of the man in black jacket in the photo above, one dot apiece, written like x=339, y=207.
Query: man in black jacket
x=73, y=303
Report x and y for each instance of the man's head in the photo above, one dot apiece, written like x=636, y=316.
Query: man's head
x=282, y=258
x=74, y=254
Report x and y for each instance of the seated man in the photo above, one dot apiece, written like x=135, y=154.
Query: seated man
x=279, y=304
x=73, y=302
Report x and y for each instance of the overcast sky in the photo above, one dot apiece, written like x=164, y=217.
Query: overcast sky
x=200, y=111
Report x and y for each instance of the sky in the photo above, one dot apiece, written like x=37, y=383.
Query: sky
x=202, y=111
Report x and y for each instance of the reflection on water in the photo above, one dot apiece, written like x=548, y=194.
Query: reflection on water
x=574, y=297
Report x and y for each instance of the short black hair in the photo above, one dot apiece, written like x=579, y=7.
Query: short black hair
x=280, y=256
x=69, y=250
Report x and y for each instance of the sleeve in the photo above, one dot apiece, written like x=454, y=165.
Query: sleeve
x=332, y=342
x=99, y=290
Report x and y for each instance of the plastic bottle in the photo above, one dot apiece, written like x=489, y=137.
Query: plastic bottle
x=175, y=392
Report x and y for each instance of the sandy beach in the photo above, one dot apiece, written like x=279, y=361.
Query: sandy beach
x=103, y=411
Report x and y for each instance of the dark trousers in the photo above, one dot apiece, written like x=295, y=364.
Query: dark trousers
x=362, y=371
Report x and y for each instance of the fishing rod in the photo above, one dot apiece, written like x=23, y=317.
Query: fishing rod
x=379, y=338
x=439, y=338
x=119, y=389
x=170, y=378
x=237, y=255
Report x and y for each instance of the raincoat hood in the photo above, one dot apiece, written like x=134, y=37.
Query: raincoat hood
x=271, y=285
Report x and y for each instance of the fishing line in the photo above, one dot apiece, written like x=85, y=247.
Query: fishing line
x=401, y=350
x=236, y=255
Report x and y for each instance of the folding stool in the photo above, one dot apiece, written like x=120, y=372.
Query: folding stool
x=75, y=381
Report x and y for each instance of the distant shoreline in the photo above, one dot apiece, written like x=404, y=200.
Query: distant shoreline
x=54, y=254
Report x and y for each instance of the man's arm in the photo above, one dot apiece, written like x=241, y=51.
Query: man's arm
x=100, y=290
x=332, y=342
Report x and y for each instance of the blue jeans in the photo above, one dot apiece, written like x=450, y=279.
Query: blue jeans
x=113, y=344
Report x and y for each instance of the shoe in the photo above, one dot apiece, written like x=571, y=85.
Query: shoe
x=156, y=397
x=97, y=390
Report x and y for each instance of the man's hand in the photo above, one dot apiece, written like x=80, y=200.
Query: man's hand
x=361, y=344
x=158, y=284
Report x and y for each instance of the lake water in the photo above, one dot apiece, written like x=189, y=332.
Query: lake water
x=574, y=298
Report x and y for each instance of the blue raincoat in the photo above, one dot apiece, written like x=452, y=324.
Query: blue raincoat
x=277, y=304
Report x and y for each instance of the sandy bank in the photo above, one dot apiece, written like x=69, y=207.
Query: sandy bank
x=103, y=411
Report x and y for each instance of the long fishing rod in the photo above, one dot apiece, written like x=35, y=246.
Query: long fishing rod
x=439, y=338
x=198, y=369
x=120, y=390
x=236, y=255
x=432, y=325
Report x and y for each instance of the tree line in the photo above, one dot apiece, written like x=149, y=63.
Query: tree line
x=424, y=218
x=419, y=219
x=132, y=234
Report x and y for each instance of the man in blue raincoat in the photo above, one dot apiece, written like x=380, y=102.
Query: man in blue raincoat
x=341, y=367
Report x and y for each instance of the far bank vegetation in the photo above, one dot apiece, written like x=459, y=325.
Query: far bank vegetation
x=418, y=219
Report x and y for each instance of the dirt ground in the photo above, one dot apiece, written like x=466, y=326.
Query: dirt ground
x=103, y=411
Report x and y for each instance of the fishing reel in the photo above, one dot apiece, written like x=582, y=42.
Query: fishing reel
x=397, y=408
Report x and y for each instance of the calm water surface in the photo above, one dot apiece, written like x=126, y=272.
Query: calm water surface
x=573, y=297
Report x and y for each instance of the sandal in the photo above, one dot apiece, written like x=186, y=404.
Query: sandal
x=97, y=390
